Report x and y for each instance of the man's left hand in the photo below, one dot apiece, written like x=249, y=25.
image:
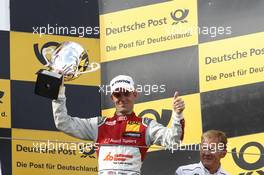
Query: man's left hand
x=178, y=104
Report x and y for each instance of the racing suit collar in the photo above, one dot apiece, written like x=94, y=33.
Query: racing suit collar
x=132, y=114
x=124, y=117
x=207, y=171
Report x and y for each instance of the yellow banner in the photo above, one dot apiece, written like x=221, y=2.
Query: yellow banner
x=148, y=29
x=161, y=110
x=5, y=105
x=25, y=63
x=49, y=152
x=231, y=62
x=247, y=157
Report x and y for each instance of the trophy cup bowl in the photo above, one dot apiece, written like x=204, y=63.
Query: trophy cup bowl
x=67, y=61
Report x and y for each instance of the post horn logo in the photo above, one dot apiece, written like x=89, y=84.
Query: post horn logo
x=179, y=16
x=163, y=118
x=241, y=162
x=1, y=95
x=87, y=153
x=50, y=46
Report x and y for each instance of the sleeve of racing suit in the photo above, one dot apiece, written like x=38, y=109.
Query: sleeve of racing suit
x=77, y=127
x=168, y=137
x=179, y=171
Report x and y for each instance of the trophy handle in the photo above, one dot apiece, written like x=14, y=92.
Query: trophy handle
x=44, y=52
x=92, y=68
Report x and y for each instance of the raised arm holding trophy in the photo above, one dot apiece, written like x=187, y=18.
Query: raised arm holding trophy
x=124, y=137
x=68, y=60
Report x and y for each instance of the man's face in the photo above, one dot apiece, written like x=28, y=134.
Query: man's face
x=124, y=100
x=211, y=152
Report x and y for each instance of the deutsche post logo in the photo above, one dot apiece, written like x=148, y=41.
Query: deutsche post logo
x=47, y=46
x=163, y=118
x=1, y=96
x=243, y=164
x=179, y=16
x=2, y=113
x=87, y=153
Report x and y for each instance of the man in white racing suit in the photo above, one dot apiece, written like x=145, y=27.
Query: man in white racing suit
x=212, y=150
x=124, y=138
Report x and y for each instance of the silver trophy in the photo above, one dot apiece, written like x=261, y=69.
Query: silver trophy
x=68, y=60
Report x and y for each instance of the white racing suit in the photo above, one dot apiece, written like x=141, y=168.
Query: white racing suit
x=197, y=169
x=123, y=140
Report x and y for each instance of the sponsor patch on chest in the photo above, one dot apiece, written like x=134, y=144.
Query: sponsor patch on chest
x=132, y=126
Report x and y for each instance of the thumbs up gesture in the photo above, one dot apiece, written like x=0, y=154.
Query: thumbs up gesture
x=178, y=104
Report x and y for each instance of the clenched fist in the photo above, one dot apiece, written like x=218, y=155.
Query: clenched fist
x=178, y=104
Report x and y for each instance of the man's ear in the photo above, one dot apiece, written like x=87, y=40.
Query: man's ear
x=136, y=94
x=223, y=153
x=111, y=96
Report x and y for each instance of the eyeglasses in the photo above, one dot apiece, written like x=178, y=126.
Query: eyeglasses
x=119, y=94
